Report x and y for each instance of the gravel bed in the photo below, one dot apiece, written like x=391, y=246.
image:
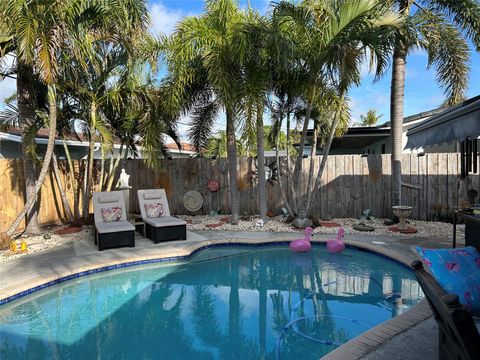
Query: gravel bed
x=426, y=229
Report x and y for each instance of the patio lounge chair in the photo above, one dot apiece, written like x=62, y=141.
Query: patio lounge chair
x=459, y=338
x=160, y=226
x=111, y=226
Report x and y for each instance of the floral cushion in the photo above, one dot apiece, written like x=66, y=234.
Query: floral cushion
x=112, y=214
x=457, y=271
x=154, y=210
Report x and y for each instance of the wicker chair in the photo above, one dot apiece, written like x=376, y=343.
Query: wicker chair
x=459, y=338
x=116, y=233
x=165, y=227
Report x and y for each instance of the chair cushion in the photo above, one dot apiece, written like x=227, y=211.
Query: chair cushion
x=107, y=198
x=154, y=210
x=113, y=227
x=165, y=221
x=457, y=271
x=111, y=214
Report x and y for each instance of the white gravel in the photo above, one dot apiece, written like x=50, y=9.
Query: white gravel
x=426, y=229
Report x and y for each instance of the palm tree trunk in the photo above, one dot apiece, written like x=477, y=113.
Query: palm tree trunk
x=326, y=151
x=63, y=196
x=289, y=175
x=282, y=190
x=312, y=168
x=232, y=166
x=91, y=152
x=113, y=168
x=26, y=117
x=102, y=168
x=396, y=119
x=52, y=105
x=75, y=186
x=262, y=195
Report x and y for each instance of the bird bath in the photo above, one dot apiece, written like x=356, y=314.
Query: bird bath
x=402, y=211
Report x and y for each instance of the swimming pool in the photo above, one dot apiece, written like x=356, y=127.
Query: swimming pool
x=225, y=303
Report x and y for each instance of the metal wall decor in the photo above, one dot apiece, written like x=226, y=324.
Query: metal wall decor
x=271, y=172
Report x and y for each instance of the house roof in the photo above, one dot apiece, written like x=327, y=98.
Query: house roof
x=453, y=124
x=184, y=148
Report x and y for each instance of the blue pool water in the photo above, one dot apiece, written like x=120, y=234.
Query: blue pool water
x=226, y=303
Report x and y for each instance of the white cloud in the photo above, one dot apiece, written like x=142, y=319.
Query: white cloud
x=164, y=19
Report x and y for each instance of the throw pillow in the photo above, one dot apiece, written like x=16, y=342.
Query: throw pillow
x=154, y=210
x=112, y=214
x=457, y=271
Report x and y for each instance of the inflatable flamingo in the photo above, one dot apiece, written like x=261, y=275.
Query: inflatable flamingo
x=302, y=245
x=336, y=245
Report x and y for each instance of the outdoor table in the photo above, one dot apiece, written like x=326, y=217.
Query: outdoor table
x=472, y=228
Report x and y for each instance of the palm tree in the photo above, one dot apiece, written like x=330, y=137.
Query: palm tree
x=442, y=28
x=204, y=48
x=256, y=84
x=37, y=44
x=370, y=118
x=330, y=40
x=44, y=32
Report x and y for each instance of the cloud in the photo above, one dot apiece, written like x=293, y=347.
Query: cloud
x=164, y=19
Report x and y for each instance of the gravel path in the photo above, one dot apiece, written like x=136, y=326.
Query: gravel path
x=426, y=229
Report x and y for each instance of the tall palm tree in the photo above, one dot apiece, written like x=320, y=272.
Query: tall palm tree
x=205, y=46
x=42, y=31
x=442, y=28
x=330, y=39
x=38, y=31
x=255, y=86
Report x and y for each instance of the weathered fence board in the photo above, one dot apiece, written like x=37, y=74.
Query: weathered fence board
x=349, y=185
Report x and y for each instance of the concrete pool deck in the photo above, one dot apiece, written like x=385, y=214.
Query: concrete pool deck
x=412, y=335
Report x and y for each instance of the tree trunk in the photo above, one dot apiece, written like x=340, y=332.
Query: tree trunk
x=26, y=117
x=289, y=174
x=91, y=153
x=282, y=190
x=262, y=190
x=312, y=168
x=297, y=172
x=396, y=119
x=66, y=205
x=232, y=165
x=102, y=168
x=326, y=151
x=75, y=185
x=113, y=168
x=52, y=105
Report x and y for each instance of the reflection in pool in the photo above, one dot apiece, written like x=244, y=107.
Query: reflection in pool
x=229, y=303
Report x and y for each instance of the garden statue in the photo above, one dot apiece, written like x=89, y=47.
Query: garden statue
x=123, y=180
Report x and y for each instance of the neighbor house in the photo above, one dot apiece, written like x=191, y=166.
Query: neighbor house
x=10, y=146
x=377, y=140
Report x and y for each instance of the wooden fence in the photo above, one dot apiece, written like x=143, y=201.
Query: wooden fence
x=350, y=184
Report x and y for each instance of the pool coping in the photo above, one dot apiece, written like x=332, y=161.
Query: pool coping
x=356, y=348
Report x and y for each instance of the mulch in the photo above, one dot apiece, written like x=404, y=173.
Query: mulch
x=408, y=230
x=329, y=224
x=68, y=230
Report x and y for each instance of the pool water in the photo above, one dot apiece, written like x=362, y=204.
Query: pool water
x=225, y=303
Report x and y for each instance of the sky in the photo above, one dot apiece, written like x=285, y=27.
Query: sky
x=421, y=91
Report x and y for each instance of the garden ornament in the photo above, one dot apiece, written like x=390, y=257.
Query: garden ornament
x=302, y=245
x=336, y=245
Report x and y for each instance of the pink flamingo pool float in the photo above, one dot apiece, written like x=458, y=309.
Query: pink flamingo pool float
x=336, y=245
x=302, y=245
